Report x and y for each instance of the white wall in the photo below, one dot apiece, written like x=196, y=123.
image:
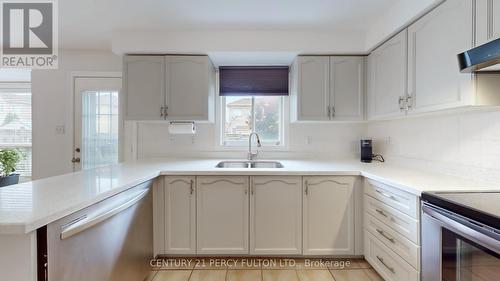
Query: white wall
x=52, y=106
x=209, y=41
x=464, y=144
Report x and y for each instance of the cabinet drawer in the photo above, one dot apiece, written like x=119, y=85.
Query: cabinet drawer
x=393, y=240
x=399, y=200
x=402, y=223
x=388, y=264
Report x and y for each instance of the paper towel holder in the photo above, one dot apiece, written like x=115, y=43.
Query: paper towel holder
x=192, y=125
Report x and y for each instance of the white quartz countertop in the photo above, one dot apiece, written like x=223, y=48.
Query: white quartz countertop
x=28, y=206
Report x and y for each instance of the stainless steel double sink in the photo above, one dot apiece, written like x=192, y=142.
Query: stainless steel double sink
x=249, y=164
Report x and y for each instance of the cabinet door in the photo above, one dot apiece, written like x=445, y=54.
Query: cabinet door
x=180, y=215
x=328, y=216
x=387, y=66
x=222, y=215
x=434, y=81
x=189, y=87
x=313, y=88
x=275, y=215
x=487, y=21
x=347, y=88
x=144, y=85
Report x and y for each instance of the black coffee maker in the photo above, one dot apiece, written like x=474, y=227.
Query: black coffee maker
x=366, y=151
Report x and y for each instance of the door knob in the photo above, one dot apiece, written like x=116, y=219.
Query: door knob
x=75, y=160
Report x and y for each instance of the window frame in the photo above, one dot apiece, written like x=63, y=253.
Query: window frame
x=20, y=87
x=243, y=145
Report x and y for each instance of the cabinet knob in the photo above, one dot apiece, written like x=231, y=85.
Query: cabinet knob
x=400, y=102
x=409, y=102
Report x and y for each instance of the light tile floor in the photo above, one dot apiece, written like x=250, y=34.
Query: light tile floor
x=264, y=269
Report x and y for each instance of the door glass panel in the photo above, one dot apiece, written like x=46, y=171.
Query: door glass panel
x=99, y=128
x=465, y=261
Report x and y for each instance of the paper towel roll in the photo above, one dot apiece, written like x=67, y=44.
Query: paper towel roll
x=182, y=128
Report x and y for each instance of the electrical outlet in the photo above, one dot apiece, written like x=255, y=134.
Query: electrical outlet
x=60, y=129
x=172, y=139
x=309, y=140
x=193, y=139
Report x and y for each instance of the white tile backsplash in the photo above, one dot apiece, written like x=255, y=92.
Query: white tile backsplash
x=463, y=144
x=314, y=140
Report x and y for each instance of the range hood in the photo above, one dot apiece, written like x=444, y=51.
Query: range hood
x=480, y=57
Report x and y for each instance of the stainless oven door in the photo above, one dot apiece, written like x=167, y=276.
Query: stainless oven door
x=109, y=241
x=454, y=249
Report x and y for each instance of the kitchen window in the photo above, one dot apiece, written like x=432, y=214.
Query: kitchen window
x=243, y=115
x=252, y=100
x=15, y=122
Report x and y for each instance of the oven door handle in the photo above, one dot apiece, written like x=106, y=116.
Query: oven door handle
x=87, y=222
x=462, y=229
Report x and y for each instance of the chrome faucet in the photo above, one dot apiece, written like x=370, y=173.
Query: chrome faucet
x=250, y=154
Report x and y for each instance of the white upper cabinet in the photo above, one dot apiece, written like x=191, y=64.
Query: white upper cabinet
x=347, y=88
x=327, y=88
x=180, y=215
x=144, y=86
x=169, y=87
x=328, y=215
x=387, y=66
x=276, y=215
x=487, y=21
x=222, y=215
x=189, y=87
x=434, y=80
x=311, y=88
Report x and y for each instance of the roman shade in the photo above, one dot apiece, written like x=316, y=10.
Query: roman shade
x=253, y=80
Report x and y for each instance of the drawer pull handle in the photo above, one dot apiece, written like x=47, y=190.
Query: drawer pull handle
x=381, y=212
x=388, y=267
x=386, y=195
x=381, y=232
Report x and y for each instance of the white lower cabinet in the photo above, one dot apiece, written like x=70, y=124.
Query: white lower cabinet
x=276, y=215
x=392, y=231
x=328, y=215
x=387, y=263
x=180, y=215
x=222, y=215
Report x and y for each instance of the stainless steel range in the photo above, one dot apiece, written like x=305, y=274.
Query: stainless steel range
x=460, y=236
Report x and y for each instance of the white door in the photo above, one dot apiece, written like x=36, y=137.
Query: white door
x=387, y=67
x=328, y=216
x=347, y=88
x=434, y=81
x=313, y=88
x=189, y=87
x=276, y=215
x=144, y=85
x=180, y=215
x=222, y=215
x=96, y=122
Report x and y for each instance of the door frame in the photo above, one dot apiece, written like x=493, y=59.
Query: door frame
x=72, y=101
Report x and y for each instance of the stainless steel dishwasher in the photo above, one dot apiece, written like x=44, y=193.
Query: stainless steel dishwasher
x=109, y=241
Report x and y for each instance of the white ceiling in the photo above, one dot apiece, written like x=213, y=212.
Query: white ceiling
x=89, y=24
